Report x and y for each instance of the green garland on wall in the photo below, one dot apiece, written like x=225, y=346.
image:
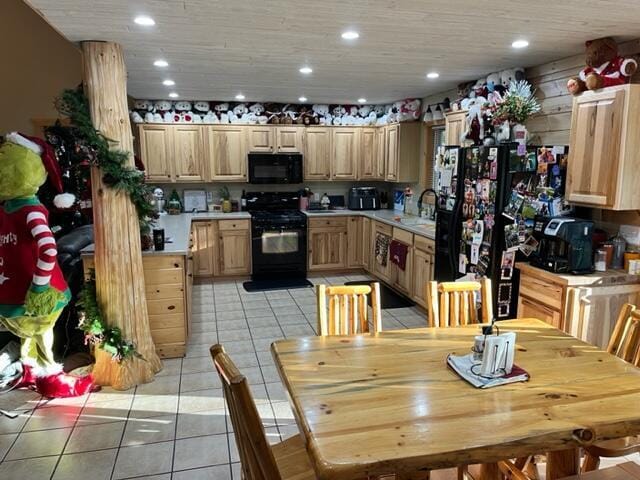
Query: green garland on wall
x=95, y=331
x=113, y=163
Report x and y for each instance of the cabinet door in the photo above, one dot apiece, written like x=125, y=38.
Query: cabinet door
x=344, y=153
x=455, y=124
x=368, y=168
x=422, y=274
x=327, y=248
x=261, y=138
x=403, y=279
x=188, y=153
x=365, y=243
x=155, y=148
x=227, y=153
x=380, y=153
x=391, y=155
x=290, y=139
x=383, y=272
x=532, y=309
x=354, y=242
x=317, y=153
x=594, y=149
x=204, y=246
x=235, y=252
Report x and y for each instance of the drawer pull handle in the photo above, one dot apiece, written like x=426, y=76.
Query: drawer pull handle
x=171, y=307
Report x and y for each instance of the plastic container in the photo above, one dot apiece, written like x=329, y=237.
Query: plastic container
x=619, y=247
x=600, y=260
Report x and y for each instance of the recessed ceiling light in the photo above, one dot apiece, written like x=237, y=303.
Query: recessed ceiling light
x=306, y=70
x=240, y=96
x=520, y=43
x=302, y=99
x=161, y=63
x=173, y=95
x=144, y=20
x=362, y=100
x=350, y=35
x=433, y=75
x=168, y=83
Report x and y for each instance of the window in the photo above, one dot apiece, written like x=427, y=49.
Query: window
x=437, y=139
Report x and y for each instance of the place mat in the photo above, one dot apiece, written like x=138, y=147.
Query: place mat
x=462, y=365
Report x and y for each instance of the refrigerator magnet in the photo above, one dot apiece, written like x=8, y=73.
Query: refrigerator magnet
x=462, y=263
x=506, y=265
x=478, y=232
x=475, y=254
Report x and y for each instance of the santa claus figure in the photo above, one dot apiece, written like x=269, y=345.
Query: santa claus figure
x=33, y=291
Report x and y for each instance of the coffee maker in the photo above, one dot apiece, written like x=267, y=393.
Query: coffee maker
x=565, y=245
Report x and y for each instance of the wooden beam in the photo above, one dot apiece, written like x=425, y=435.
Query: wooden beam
x=118, y=260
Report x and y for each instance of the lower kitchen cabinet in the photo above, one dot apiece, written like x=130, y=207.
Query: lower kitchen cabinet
x=354, y=247
x=221, y=248
x=528, y=308
x=327, y=243
x=401, y=279
x=423, y=263
x=365, y=243
x=381, y=271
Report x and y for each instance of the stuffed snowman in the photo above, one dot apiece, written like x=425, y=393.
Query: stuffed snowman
x=33, y=290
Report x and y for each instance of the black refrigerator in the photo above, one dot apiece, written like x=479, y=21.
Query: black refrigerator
x=488, y=200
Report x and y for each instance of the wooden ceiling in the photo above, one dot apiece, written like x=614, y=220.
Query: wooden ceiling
x=219, y=48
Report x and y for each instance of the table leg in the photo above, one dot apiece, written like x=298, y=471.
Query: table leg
x=563, y=463
x=490, y=471
x=413, y=476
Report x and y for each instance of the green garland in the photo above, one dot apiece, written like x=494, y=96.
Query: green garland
x=95, y=331
x=113, y=163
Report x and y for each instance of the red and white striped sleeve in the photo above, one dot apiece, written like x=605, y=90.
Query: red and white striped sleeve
x=47, y=251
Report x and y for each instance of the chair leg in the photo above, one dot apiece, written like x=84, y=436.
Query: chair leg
x=590, y=463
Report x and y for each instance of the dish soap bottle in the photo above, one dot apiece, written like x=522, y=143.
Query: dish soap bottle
x=325, y=202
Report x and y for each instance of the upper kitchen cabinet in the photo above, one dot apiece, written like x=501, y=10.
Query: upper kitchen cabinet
x=227, y=153
x=455, y=125
x=345, y=147
x=317, y=153
x=290, y=139
x=604, y=163
x=402, y=152
x=188, y=153
x=155, y=148
x=371, y=165
x=270, y=139
x=261, y=139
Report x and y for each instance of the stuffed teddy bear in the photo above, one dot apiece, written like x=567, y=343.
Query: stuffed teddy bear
x=33, y=290
x=183, y=113
x=409, y=109
x=320, y=112
x=221, y=110
x=162, y=111
x=605, y=67
x=201, y=108
x=142, y=109
x=257, y=109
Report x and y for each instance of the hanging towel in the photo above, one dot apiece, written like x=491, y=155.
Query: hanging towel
x=382, y=249
x=398, y=253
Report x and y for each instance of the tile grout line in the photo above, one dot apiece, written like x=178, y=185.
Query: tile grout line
x=20, y=432
x=175, y=427
x=124, y=429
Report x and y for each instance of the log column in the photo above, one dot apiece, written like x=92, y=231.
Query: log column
x=118, y=259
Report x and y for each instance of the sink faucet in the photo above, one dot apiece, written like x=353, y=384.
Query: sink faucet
x=433, y=212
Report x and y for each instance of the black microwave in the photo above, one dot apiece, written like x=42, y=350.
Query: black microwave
x=275, y=168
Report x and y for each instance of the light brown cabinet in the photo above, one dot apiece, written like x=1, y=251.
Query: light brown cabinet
x=354, y=245
x=317, y=165
x=423, y=264
x=377, y=267
x=402, y=152
x=221, y=248
x=371, y=154
x=327, y=243
x=401, y=279
x=234, y=238
x=604, y=165
x=227, y=153
x=269, y=139
x=188, y=153
x=528, y=308
x=455, y=125
x=345, y=148
x=155, y=149
x=365, y=243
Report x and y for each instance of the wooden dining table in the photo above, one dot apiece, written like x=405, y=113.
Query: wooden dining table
x=371, y=405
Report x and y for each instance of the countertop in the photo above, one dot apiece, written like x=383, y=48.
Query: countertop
x=610, y=277
x=178, y=227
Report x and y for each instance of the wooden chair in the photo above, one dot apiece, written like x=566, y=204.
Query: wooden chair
x=624, y=471
x=287, y=460
x=348, y=312
x=625, y=344
x=453, y=304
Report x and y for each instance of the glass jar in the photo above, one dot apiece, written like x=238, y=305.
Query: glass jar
x=619, y=247
x=600, y=260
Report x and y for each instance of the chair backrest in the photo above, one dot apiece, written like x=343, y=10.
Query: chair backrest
x=348, y=312
x=256, y=458
x=625, y=339
x=452, y=304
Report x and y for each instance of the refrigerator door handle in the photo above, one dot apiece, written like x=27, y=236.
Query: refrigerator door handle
x=453, y=256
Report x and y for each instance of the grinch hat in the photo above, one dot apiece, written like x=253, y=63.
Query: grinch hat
x=42, y=148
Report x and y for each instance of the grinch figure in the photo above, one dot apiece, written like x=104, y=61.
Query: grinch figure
x=33, y=291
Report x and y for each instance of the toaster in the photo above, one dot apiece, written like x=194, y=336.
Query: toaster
x=364, y=198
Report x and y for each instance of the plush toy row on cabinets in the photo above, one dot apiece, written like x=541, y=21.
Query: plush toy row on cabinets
x=164, y=111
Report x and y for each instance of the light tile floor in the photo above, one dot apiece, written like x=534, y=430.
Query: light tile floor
x=176, y=427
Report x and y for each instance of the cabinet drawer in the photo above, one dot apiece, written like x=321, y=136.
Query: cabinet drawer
x=168, y=335
x=161, y=277
x=161, y=292
x=159, y=322
x=233, y=225
x=403, y=236
x=328, y=222
x=542, y=291
x=532, y=309
x=425, y=244
x=167, y=306
x=160, y=262
x=383, y=228
x=171, y=350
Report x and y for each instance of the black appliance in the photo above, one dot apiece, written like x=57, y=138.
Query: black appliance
x=488, y=198
x=364, y=198
x=279, y=234
x=566, y=245
x=275, y=168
